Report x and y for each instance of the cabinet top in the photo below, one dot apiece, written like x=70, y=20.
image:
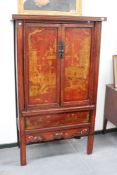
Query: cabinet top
x=57, y=18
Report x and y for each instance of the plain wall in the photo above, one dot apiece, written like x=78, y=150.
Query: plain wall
x=7, y=87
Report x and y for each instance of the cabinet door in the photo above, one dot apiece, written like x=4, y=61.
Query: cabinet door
x=42, y=74
x=76, y=69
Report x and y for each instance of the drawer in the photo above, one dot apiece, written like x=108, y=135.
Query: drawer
x=56, y=120
x=56, y=135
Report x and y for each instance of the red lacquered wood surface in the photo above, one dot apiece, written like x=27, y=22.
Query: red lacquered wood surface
x=76, y=63
x=42, y=65
x=56, y=135
x=56, y=120
x=57, y=66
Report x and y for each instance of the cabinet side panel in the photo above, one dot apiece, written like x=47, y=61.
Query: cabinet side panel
x=19, y=62
x=96, y=57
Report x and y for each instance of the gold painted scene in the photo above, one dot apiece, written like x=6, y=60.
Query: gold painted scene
x=52, y=7
x=43, y=64
x=42, y=77
x=77, y=64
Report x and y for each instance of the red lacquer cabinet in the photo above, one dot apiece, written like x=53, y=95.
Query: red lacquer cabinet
x=57, y=60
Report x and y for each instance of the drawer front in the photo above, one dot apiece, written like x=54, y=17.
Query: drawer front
x=56, y=135
x=56, y=120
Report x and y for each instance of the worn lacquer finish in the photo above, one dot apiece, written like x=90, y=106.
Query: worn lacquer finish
x=56, y=135
x=77, y=63
x=42, y=51
x=57, y=69
x=56, y=120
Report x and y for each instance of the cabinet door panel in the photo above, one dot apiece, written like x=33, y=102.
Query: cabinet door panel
x=42, y=65
x=76, y=65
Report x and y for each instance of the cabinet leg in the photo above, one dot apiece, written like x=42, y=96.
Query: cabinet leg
x=90, y=144
x=90, y=139
x=104, y=126
x=23, y=154
x=22, y=143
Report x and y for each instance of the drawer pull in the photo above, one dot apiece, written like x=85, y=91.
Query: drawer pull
x=58, y=135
